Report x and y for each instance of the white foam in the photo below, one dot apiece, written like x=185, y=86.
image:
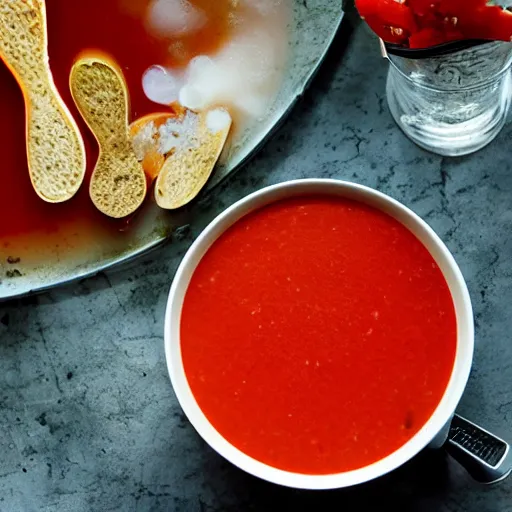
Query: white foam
x=254, y=106
x=218, y=120
x=144, y=139
x=161, y=85
x=179, y=134
x=175, y=18
x=190, y=97
x=198, y=66
x=264, y=7
x=244, y=75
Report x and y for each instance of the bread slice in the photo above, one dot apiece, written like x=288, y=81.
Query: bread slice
x=190, y=164
x=118, y=184
x=55, y=149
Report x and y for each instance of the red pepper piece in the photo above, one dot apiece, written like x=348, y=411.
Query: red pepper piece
x=426, y=23
x=486, y=23
x=426, y=38
x=395, y=35
x=391, y=13
x=424, y=7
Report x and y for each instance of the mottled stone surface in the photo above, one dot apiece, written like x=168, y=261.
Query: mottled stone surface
x=88, y=418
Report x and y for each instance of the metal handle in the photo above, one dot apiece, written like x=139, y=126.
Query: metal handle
x=486, y=458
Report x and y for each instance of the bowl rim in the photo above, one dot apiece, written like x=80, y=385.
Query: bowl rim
x=460, y=295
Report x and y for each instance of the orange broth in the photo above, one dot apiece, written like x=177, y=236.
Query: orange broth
x=318, y=335
x=118, y=28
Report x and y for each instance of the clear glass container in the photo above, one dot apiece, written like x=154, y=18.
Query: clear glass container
x=453, y=104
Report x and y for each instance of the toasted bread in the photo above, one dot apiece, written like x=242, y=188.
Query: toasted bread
x=189, y=166
x=55, y=149
x=118, y=184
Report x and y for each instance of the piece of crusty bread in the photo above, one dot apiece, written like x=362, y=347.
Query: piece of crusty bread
x=118, y=184
x=55, y=149
x=186, y=170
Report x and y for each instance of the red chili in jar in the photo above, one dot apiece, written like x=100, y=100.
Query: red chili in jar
x=426, y=23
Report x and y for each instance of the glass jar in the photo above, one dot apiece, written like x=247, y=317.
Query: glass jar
x=453, y=104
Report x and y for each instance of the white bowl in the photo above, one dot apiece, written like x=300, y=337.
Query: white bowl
x=432, y=433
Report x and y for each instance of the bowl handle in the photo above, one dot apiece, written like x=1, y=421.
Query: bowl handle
x=486, y=457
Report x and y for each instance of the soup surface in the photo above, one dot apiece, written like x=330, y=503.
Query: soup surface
x=318, y=335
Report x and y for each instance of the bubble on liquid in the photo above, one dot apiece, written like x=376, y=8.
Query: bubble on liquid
x=175, y=18
x=205, y=81
x=161, y=86
x=190, y=97
x=218, y=120
x=199, y=66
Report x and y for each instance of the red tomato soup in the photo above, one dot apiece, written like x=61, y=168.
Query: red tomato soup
x=318, y=335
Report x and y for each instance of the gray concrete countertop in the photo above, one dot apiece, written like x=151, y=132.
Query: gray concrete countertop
x=88, y=418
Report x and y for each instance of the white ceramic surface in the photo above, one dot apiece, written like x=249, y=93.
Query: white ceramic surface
x=429, y=433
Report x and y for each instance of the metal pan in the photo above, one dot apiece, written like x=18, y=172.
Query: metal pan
x=313, y=27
